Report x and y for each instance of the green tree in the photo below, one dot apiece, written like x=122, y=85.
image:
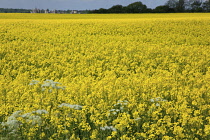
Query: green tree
x=180, y=6
x=177, y=5
x=163, y=9
x=171, y=4
x=136, y=7
x=102, y=10
x=196, y=6
x=206, y=6
x=116, y=9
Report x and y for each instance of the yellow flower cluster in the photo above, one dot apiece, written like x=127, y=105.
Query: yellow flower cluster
x=129, y=76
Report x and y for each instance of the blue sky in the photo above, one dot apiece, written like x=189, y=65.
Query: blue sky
x=73, y=4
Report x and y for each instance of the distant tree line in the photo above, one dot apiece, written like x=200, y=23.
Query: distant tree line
x=189, y=5
x=10, y=10
x=171, y=6
x=136, y=7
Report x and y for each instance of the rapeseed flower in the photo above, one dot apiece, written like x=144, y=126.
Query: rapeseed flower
x=142, y=78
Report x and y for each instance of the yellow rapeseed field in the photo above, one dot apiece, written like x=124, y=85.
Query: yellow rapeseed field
x=117, y=76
